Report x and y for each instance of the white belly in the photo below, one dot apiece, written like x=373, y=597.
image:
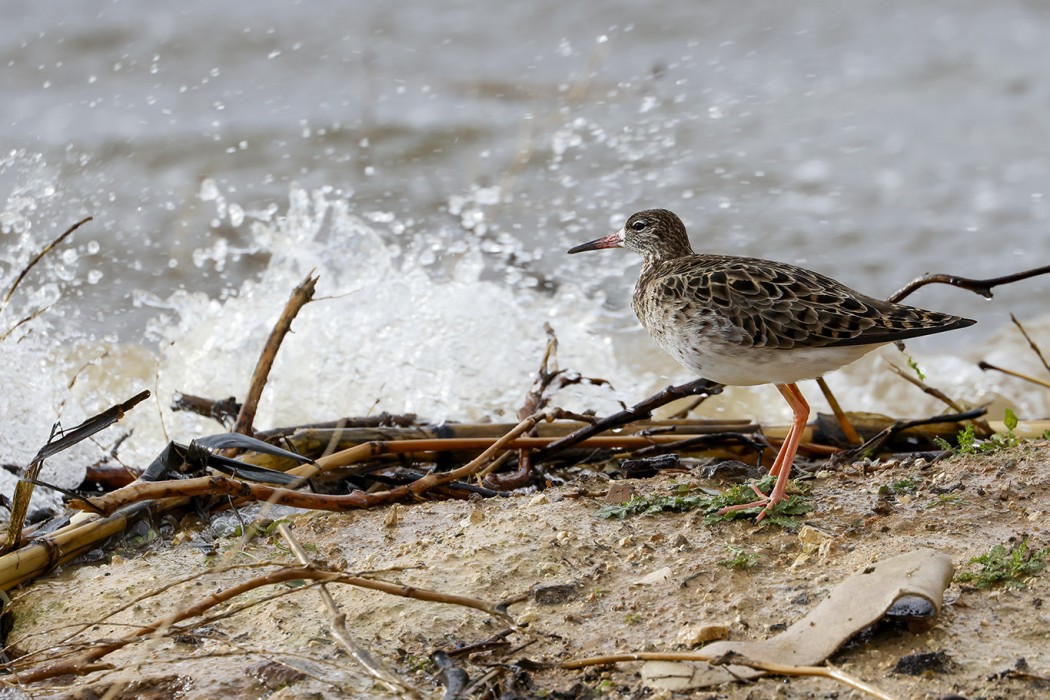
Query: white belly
x=736, y=366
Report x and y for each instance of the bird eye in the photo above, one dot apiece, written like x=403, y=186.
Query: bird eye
x=639, y=225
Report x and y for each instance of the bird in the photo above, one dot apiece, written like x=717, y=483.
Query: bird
x=744, y=321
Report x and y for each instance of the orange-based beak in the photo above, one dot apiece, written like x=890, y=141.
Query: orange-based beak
x=614, y=240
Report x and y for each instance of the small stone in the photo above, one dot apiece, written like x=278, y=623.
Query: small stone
x=657, y=576
x=393, y=515
x=618, y=493
x=539, y=500
x=695, y=635
x=527, y=617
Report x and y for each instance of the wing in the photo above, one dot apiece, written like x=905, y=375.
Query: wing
x=760, y=303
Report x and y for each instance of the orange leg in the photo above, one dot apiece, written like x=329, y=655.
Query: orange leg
x=785, y=458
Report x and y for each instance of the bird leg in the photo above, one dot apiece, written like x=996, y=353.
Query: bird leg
x=785, y=458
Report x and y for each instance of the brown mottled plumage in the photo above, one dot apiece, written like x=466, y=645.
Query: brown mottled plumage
x=746, y=321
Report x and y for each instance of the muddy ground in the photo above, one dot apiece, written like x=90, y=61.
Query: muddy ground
x=646, y=583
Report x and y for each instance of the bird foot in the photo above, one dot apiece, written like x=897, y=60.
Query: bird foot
x=765, y=503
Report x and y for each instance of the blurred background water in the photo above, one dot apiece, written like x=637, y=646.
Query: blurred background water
x=434, y=160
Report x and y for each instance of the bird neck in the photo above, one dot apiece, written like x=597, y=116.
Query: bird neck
x=669, y=251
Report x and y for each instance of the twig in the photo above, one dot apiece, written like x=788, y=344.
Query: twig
x=640, y=410
x=1031, y=343
x=690, y=407
x=985, y=366
x=222, y=410
x=848, y=430
x=80, y=627
x=301, y=295
x=549, y=379
x=738, y=660
x=876, y=443
x=981, y=428
x=88, y=660
x=27, y=319
x=337, y=619
x=927, y=389
x=982, y=287
x=37, y=258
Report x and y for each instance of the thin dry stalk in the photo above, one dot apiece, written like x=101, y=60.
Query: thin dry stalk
x=641, y=410
x=38, y=257
x=301, y=295
x=337, y=619
x=88, y=660
x=736, y=659
x=79, y=628
x=1031, y=343
x=985, y=366
x=980, y=427
x=844, y=422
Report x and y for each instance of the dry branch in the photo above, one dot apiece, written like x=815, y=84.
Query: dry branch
x=301, y=295
x=642, y=409
x=982, y=287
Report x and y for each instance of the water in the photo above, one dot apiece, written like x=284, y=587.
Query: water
x=433, y=163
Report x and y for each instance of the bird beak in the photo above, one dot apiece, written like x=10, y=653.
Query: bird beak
x=611, y=241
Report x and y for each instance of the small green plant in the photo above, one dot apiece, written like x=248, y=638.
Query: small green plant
x=633, y=618
x=967, y=442
x=681, y=500
x=907, y=485
x=949, y=500
x=784, y=514
x=1006, y=567
x=739, y=559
